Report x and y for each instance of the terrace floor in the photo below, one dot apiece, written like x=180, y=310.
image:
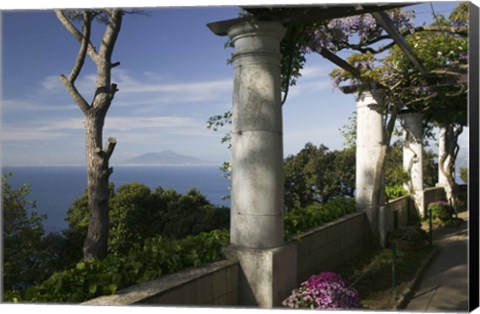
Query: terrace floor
x=444, y=284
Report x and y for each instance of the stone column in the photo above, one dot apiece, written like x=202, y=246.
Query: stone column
x=256, y=228
x=413, y=156
x=370, y=139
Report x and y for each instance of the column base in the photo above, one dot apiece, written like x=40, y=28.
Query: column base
x=267, y=276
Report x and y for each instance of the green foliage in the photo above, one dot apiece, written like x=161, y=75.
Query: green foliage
x=444, y=56
x=137, y=213
x=464, y=174
x=130, y=209
x=28, y=257
x=298, y=220
x=430, y=168
x=157, y=256
x=395, y=175
x=409, y=237
x=316, y=174
x=395, y=191
x=441, y=210
x=349, y=131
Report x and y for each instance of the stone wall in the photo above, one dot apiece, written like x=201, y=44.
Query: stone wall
x=215, y=284
x=327, y=247
x=432, y=195
x=401, y=207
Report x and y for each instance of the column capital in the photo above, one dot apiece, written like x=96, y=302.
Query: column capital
x=257, y=40
x=412, y=117
x=413, y=125
x=372, y=99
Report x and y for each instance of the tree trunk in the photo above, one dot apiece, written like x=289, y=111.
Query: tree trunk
x=98, y=173
x=97, y=158
x=446, y=161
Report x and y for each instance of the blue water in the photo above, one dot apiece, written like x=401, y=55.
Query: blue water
x=54, y=188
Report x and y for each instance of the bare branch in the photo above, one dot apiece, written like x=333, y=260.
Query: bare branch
x=76, y=96
x=110, y=146
x=111, y=33
x=76, y=33
x=83, y=48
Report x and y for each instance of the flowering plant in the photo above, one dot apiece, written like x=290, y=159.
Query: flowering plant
x=324, y=291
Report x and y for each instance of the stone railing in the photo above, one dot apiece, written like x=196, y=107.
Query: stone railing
x=401, y=209
x=217, y=284
x=320, y=249
x=214, y=284
x=432, y=195
x=328, y=246
x=399, y=212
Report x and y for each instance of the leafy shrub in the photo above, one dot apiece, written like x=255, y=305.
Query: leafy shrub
x=299, y=220
x=156, y=257
x=324, y=291
x=137, y=213
x=441, y=210
x=395, y=191
x=409, y=237
x=31, y=255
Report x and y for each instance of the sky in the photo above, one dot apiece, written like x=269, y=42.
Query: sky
x=173, y=76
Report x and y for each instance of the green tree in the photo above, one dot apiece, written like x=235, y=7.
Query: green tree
x=441, y=95
x=30, y=256
x=464, y=174
x=317, y=175
x=22, y=236
x=138, y=213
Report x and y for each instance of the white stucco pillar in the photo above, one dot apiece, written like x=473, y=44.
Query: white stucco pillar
x=257, y=138
x=413, y=156
x=370, y=139
x=256, y=228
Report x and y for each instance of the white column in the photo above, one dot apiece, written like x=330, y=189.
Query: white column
x=370, y=139
x=257, y=138
x=256, y=228
x=413, y=156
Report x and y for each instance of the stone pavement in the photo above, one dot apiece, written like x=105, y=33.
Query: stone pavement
x=443, y=286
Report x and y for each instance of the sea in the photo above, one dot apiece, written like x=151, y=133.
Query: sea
x=54, y=188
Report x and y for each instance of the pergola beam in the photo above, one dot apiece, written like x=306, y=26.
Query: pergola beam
x=302, y=14
x=387, y=24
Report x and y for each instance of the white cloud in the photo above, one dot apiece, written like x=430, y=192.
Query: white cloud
x=149, y=89
x=314, y=71
x=34, y=105
x=313, y=79
x=58, y=128
x=21, y=134
x=161, y=122
x=51, y=84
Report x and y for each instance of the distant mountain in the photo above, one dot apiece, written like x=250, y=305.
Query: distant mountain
x=165, y=158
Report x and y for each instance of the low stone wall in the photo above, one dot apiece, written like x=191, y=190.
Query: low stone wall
x=400, y=208
x=215, y=284
x=327, y=247
x=432, y=195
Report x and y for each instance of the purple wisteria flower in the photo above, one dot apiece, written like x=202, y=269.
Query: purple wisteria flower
x=324, y=291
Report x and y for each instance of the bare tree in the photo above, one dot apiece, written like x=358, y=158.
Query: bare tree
x=97, y=155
